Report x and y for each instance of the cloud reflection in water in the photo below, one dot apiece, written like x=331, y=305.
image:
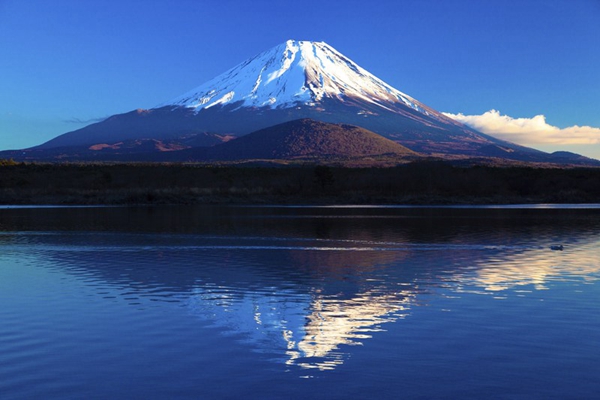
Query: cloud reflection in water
x=357, y=292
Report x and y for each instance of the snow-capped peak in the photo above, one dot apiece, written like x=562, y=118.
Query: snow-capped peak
x=295, y=72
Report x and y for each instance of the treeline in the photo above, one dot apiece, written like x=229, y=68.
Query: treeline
x=414, y=183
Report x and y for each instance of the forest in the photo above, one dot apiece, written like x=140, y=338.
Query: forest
x=428, y=182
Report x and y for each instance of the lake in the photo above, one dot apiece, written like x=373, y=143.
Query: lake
x=300, y=302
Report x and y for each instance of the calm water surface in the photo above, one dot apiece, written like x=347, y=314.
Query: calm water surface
x=261, y=302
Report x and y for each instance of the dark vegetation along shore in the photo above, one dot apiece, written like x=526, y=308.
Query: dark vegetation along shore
x=413, y=183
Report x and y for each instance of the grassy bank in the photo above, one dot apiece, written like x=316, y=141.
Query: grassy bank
x=416, y=183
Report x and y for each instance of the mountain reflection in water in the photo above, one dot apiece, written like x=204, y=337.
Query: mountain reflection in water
x=309, y=326
x=302, y=285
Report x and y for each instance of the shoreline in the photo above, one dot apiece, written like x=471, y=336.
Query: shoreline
x=499, y=206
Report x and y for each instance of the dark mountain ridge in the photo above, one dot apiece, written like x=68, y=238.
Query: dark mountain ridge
x=308, y=138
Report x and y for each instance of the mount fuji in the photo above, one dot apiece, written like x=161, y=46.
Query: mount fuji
x=294, y=80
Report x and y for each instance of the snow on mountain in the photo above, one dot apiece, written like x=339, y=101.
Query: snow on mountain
x=294, y=80
x=295, y=72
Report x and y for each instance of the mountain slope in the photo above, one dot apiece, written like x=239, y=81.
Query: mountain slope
x=306, y=138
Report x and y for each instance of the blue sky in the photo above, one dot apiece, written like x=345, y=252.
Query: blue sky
x=496, y=64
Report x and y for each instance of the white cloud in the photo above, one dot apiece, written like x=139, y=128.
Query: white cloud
x=528, y=131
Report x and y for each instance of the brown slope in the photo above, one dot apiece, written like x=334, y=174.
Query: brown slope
x=307, y=138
